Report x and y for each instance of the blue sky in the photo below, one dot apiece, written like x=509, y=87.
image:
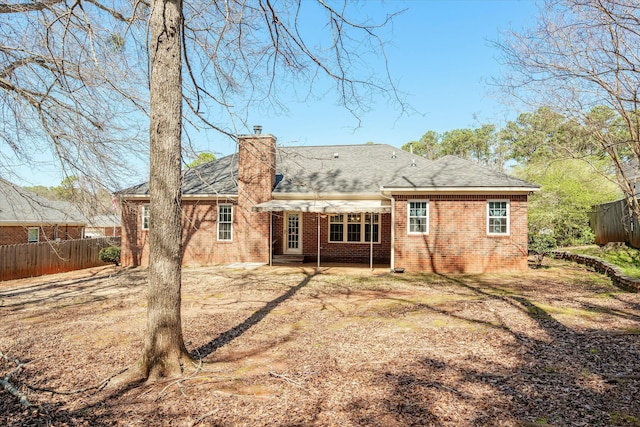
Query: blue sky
x=441, y=56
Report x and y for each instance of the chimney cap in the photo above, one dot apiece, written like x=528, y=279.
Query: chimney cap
x=257, y=129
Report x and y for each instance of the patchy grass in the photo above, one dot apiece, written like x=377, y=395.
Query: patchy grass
x=625, y=257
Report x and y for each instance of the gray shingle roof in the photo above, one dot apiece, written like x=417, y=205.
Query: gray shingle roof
x=345, y=169
x=217, y=177
x=454, y=172
x=342, y=168
x=18, y=205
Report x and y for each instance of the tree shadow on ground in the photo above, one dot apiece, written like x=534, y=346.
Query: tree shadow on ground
x=61, y=291
x=566, y=378
x=233, y=333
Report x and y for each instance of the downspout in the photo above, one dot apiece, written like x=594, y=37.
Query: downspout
x=371, y=240
x=393, y=228
x=318, y=221
x=270, y=239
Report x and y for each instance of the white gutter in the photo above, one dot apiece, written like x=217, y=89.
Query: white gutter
x=35, y=223
x=458, y=190
x=184, y=196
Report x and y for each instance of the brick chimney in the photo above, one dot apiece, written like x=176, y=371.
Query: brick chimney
x=256, y=178
x=256, y=166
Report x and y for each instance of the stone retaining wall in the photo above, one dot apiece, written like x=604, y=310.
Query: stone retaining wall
x=613, y=272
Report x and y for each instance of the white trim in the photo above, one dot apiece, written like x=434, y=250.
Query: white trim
x=37, y=234
x=459, y=190
x=285, y=247
x=232, y=213
x=508, y=217
x=40, y=224
x=363, y=226
x=138, y=197
x=428, y=217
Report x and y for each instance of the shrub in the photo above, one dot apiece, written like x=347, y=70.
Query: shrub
x=541, y=245
x=110, y=254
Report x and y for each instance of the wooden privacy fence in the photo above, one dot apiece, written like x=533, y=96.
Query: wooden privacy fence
x=612, y=222
x=37, y=259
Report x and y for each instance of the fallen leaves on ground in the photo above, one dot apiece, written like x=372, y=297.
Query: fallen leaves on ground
x=284, y=347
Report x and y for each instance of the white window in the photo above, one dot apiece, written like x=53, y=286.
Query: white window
x=33, y=235
x=354, y=228
x=225, y=222
x=418, y=216
x=497, y=217
x=146, y=218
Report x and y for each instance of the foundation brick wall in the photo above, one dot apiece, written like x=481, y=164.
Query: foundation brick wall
x=457, y=241
x=14, y=235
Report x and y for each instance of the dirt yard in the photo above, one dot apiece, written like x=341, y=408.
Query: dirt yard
x=287, y=347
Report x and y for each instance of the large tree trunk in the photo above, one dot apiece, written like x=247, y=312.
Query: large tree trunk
x=164, y=345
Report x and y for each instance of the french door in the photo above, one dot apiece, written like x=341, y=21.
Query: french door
x=293, y=233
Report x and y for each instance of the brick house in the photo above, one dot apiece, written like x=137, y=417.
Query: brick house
x=370, y=203
x=28, y=218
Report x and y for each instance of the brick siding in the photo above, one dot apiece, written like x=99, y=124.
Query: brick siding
x=250, y=241
x=13, y=235
x=457, y=241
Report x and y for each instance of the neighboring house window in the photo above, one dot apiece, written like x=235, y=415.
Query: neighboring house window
x=354, y=228
x=146, y=218
x=33, y=235
x=225, y=222
x=498, y=217
x=418, y=216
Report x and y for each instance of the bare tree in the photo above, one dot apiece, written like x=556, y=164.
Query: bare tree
x=582, y=60
x=67, y=87
x=235, y=54
x=164, y=347
x=78, y=77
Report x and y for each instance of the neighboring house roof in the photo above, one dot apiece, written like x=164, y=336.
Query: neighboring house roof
x=21, y=207
x=104, y=221
x=346, y=169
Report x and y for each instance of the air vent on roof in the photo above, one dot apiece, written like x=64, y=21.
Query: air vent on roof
x=413, y=162
x=393, y=155
x=336, y=155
